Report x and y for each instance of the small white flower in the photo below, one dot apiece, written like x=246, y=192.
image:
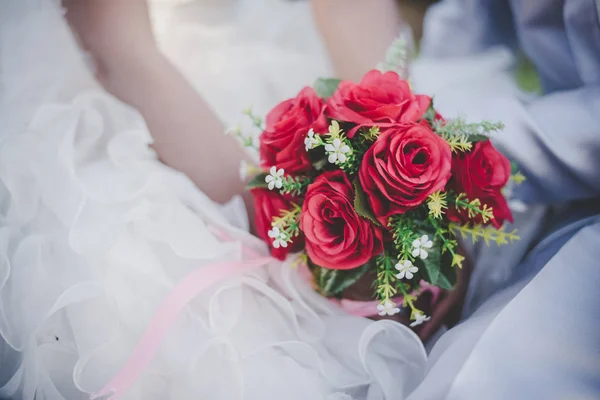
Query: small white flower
x=406, y=269
x=275, y=178
x=310, y=141
x=420, y=246
x=279, y=238
x=387, y=308
x=419, y=319
x=337, y=151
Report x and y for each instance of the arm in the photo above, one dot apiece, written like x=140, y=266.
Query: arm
x=357, y=33
x=187, y=135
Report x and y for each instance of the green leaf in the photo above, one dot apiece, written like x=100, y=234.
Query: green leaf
x=514, y=167
x=436, y=274
x=258, y=182
x=326, y=87
x=430, y=113
x=333, y=282
x=361, y=204
x=449, y=272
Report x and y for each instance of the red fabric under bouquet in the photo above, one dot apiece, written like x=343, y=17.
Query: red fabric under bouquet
x=369, y=176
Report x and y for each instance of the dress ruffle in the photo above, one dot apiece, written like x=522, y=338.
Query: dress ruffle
x=96, y=232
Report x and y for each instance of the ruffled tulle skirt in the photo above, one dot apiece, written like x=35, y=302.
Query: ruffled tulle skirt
x=95, y=232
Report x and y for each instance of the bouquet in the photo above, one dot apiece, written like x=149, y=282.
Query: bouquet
x=368, y=178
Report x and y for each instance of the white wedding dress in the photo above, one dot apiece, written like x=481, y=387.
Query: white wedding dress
x=95, y=232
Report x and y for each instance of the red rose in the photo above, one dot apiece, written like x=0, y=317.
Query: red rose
x=379, y=99
x=282, y=142
x=482, y=168
x=406, y=164
x=481, y=174
x=336, y=236
x=269, y=204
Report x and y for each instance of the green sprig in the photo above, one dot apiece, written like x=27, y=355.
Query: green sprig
x=487, y=233
x=409, y=299
x=461, y=135
x=443, y=233
x=257, y=121
x=474, y=208
x=295, y=185
x=403, y=235
x=386, y=279
x=518, y=178
x=398, y=56
x=459, y=126
x=288, y=222
x=245, y=140
x=372, y=134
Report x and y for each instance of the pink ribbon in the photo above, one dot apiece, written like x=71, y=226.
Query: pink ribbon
x=362, y=308
x=188, y=288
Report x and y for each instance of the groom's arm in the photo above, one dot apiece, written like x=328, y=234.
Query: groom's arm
x=555, y=138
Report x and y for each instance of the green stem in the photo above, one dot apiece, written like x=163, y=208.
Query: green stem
x=385, y=279
x=408, y=299
x=439, y=232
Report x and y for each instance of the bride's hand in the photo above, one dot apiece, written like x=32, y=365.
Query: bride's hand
x=187, y=134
